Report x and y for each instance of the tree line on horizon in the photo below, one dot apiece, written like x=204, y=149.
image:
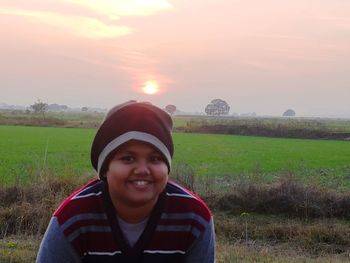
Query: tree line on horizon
x=219, y=107
x=216, y=107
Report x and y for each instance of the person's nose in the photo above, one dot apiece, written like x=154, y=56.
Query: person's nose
x=142, y=167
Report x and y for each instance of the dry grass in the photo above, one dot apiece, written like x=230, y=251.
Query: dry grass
x=19, y=249
x=250, y=227
x=228, y=252
x=26, y=209
x=287, y=197
x=311, y=238
x=23, y=249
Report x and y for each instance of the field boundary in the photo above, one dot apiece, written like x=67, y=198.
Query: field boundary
x=266, y=132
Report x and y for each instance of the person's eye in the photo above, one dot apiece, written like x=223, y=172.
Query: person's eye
x=156, y=158
x=127, y=158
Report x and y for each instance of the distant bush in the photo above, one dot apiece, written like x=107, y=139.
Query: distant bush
x=289, y=113
x=287, y=197
x=267, y=127
x=32, y=121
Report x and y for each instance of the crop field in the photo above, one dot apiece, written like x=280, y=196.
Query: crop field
x=25, y=151
x=252, y=223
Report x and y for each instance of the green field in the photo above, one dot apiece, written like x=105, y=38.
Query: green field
x=30, y=153
x=25, y=151
x=247, y=155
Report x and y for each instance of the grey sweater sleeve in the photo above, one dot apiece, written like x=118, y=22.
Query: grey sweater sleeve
x=203, y=250
x=54, y=247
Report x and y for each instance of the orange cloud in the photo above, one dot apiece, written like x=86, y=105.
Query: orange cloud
x=77, y=25
x=116, y=9
x=92, y=25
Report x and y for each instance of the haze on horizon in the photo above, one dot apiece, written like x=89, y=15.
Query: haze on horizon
x=259, y=56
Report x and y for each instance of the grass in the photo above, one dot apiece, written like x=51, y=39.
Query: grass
x=312, y=236
x=286, y=198
x=27, y=150
x=316, y=124
x=311, y=128
x=19, y=249
x=229, y=154
x=266, y=159
x=241, y=237
x=237, y=175
x=229, y=253
x=52, y=119
x=23, y=249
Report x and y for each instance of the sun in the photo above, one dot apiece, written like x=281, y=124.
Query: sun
x=151, y=87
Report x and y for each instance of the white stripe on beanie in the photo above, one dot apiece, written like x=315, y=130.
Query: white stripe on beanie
x=128, y=136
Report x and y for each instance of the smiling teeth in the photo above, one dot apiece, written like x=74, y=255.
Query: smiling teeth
x=140, y=183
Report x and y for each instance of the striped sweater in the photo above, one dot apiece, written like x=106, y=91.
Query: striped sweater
x=85, y=229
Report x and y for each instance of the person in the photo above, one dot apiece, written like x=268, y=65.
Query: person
x=132, y=212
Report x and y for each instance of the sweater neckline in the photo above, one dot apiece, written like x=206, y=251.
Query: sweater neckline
x=135, y=251
x=132, y=231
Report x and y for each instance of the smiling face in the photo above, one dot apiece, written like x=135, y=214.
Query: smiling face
x=136, y=175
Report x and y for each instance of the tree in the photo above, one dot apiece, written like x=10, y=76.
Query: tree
x=289, y=113
x=57, y=107
x=170, y=108
x=217, y=107
x=39, y=107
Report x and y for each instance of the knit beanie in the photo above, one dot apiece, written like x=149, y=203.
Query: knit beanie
x=132, y=120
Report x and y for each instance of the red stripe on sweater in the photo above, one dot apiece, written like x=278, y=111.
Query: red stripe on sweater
x=177, y=204
x=67, y=200
x=189, y=192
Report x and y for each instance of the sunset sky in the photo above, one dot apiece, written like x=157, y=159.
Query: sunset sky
x=259, y=56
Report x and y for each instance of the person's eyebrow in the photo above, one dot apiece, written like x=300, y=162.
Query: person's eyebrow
x=128, y=151
x=124, y=151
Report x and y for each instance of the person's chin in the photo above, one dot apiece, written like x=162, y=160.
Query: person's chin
x=144, y=200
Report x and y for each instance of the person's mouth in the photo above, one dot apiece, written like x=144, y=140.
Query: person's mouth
x=141, y=183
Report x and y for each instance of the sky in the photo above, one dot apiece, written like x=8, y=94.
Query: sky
x=259, y=56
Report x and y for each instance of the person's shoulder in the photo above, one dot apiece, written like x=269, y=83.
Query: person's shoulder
x=183, y=200
x=85, y=200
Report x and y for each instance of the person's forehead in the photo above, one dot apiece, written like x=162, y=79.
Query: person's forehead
x=135, y=145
